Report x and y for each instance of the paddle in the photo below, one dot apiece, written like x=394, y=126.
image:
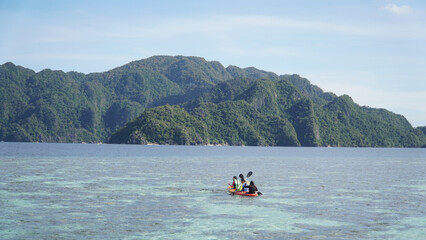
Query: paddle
x=248, y=175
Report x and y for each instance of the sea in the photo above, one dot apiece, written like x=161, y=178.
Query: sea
x=102, y=191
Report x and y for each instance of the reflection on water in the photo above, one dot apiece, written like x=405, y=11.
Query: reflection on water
x=70, y=191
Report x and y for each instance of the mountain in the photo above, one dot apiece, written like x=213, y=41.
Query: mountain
x=188, y=100
x=278, y=111
x=54, y=106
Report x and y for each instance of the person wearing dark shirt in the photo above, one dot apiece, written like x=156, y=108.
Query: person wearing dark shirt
x=252, y=188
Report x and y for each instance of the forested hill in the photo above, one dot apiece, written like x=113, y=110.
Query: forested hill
x=54, y=106
x=188, y=100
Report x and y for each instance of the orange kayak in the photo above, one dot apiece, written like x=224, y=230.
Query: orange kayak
x=232, y=190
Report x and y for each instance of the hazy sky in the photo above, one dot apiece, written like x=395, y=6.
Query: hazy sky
x=374, y=51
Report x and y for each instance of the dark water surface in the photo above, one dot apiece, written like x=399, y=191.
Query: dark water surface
x=77, y=191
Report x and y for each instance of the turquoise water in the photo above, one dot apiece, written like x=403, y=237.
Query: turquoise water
x=77, y=191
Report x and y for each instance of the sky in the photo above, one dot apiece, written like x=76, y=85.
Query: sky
x=373, y=51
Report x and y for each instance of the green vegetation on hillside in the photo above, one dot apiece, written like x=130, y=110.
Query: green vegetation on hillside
x=163, y=125
x=188, y=100
x=275, y=112
x=53, y=106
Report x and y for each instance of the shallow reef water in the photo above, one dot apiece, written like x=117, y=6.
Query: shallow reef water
x=85, y=191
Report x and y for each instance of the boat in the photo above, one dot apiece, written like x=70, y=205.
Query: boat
x=246, y=194
x=232, y=191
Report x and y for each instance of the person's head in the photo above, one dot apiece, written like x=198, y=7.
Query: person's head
x=243, y=180
x=251, y=183
x=235, y=177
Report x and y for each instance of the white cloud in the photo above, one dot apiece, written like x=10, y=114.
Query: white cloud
x=218, y=27
x=398, y=10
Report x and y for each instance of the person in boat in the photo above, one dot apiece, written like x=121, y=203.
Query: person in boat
x=252, y=189
x=241, y=186
x=242, y=178
x=235, y=182
x=244, y=185
x=242, y=181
